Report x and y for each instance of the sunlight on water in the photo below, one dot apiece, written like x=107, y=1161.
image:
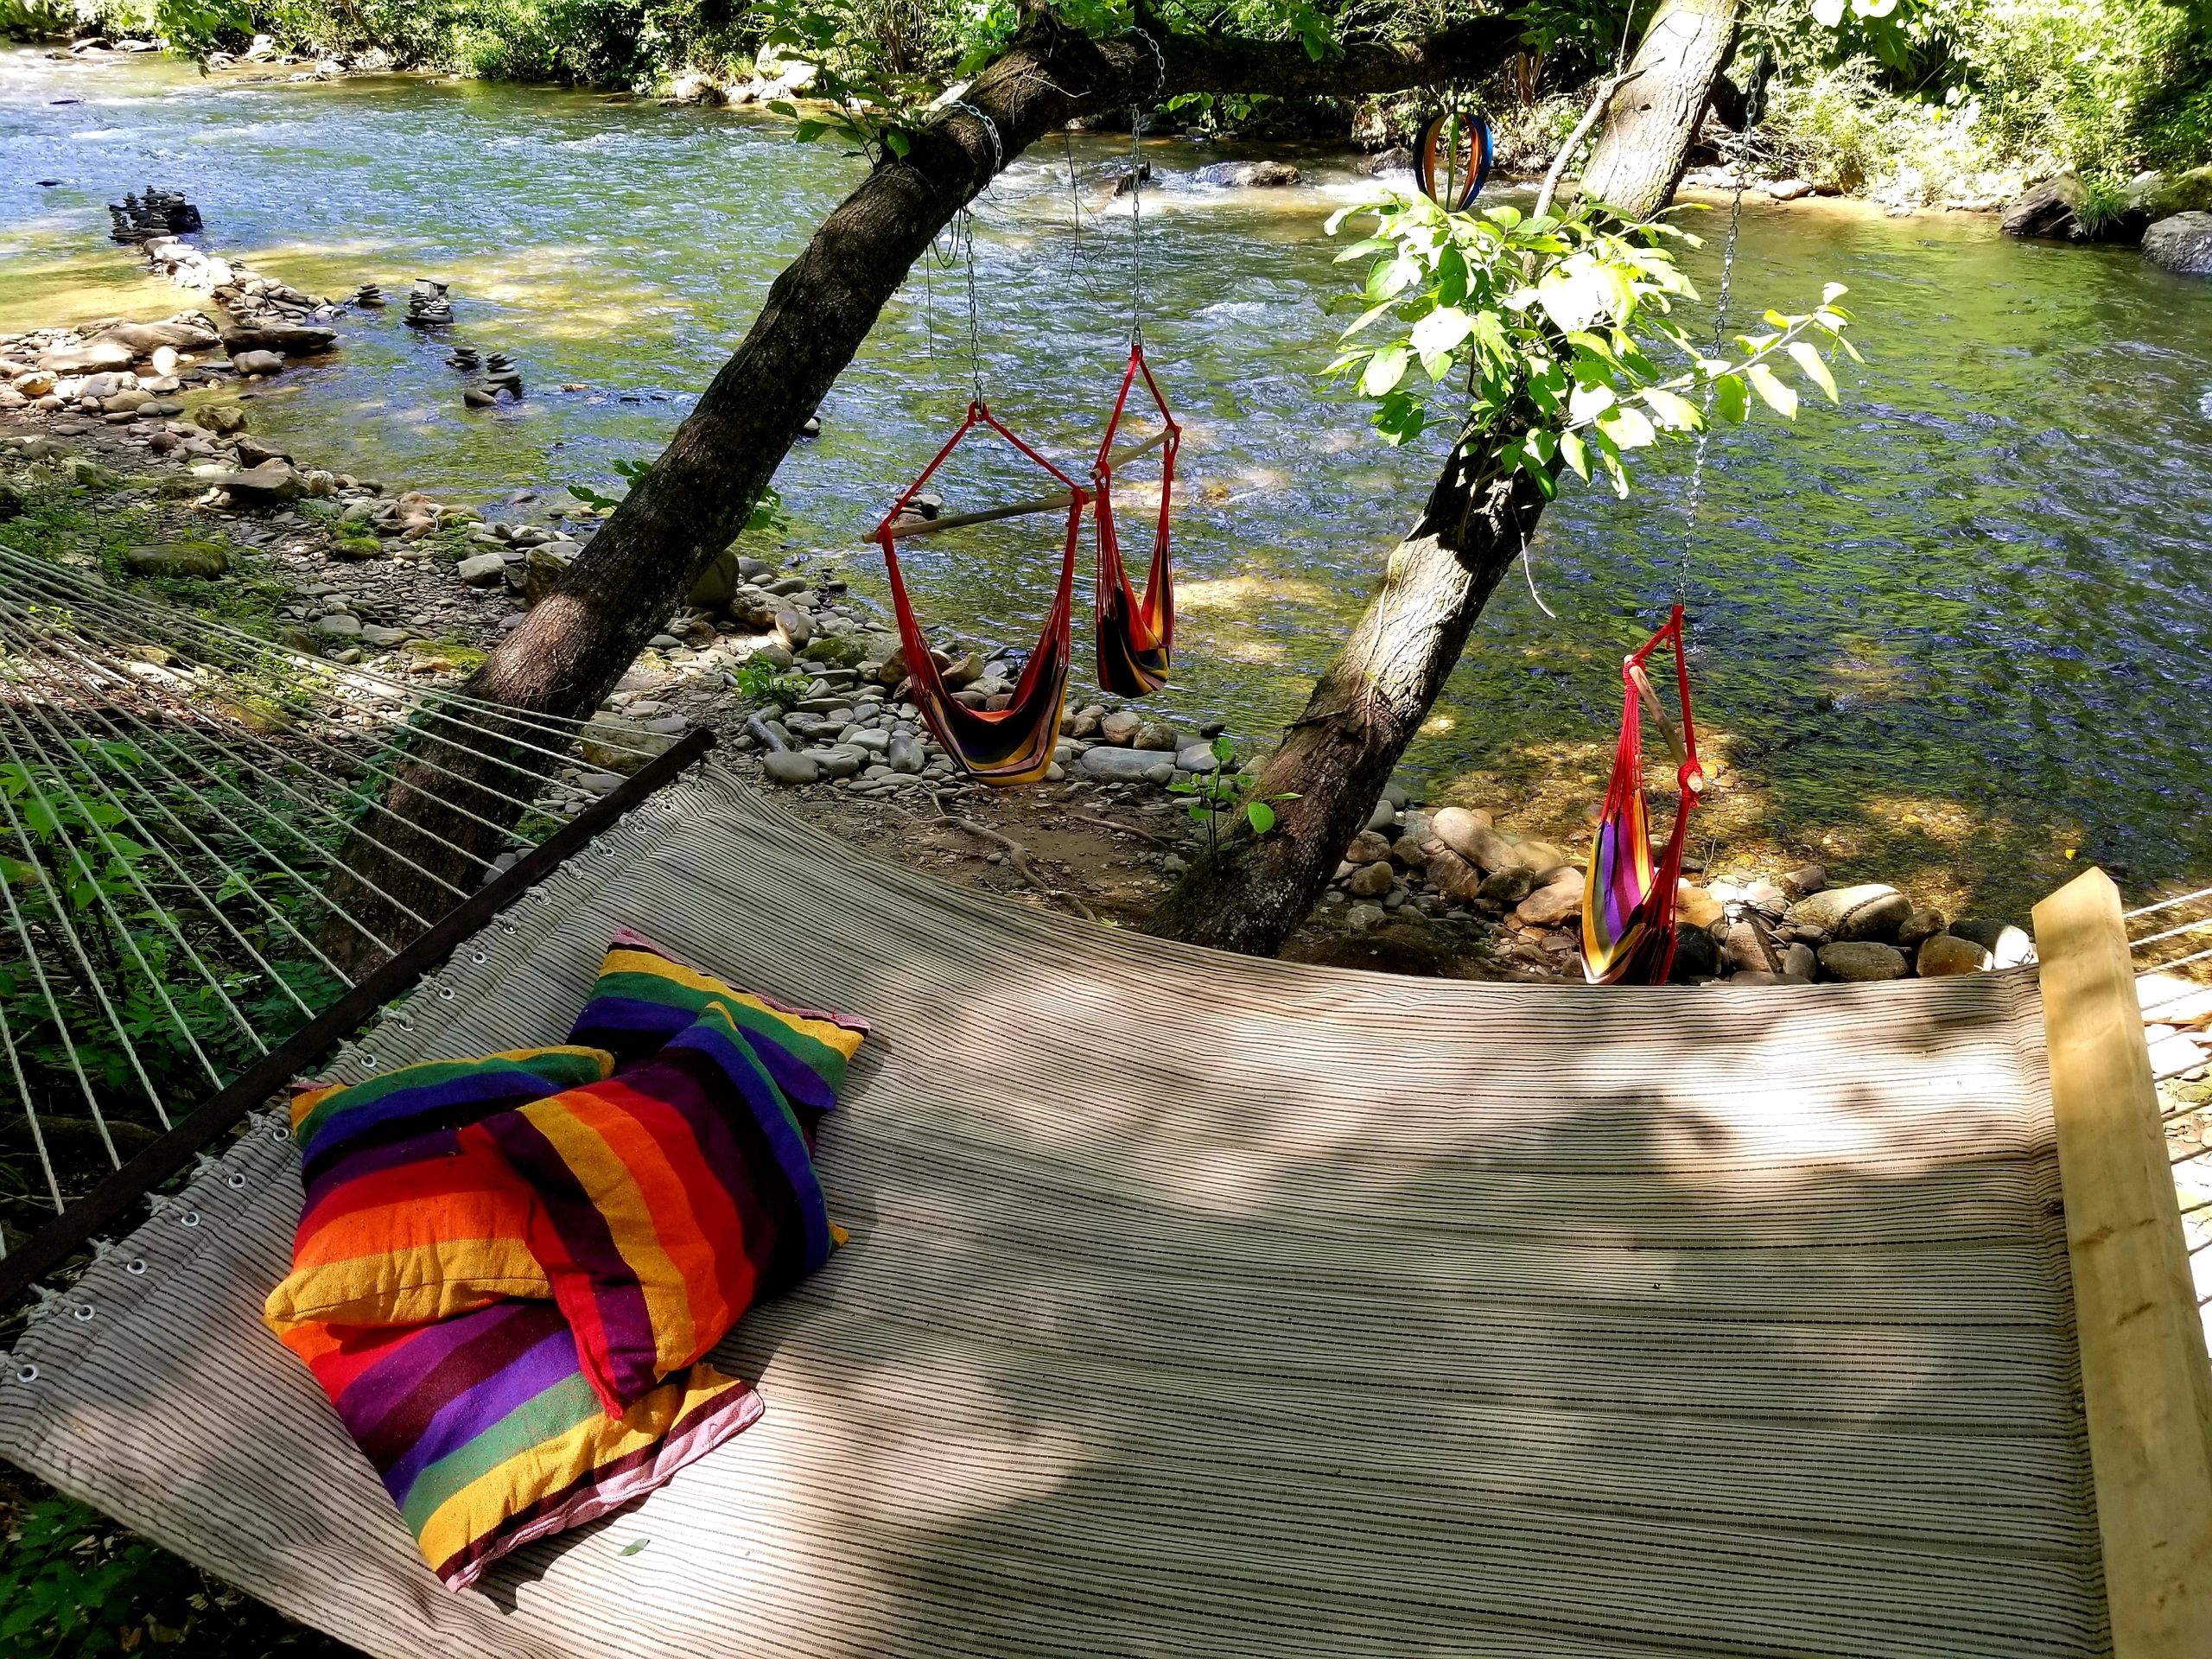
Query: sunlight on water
x=1973, y=596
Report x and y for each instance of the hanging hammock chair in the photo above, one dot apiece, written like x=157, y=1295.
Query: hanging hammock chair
x=1453, y=161
x=1628, y=906
x=1008, y=746
x=1135, y=636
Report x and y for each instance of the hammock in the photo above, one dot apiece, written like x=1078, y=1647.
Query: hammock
x=1135, y=636
x=1628, y=908
x=1004, y=746
x=1207, y=1304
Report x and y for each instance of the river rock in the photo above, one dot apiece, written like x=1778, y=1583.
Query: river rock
x=1873, y=910
x=1368, y=848
x=1799, y=962
x=1696, y=955
x=150, y=338
x=2182, y=244
x=696, y=88
x=92, y=356
x=906, y=755
x=285, y=339
x=482, y=569
x=2008, y=946
x=1508, y=887
x=1451, y=876
x=1556, y=902
x=1860, y=961
x=1470, y=834
x=1121, y=727
x=1695, y=905
x=1742, y=949
x=1086, y=722
x=841, y=761
x=1790, y=190
x=1920, y=924
x=543, y=568
x=1159, y=736
x=613, y=744
x=2046, y=210
x=1249, y=175
x=1805, y=880
x=1199, y=757
x=271, y=481
x=1121, y=765
x=339, y=624
x=219, y=417
x=1372, y=881
x=1947, y=953
x=718, y=583
x=781, y=767
x=203, y=559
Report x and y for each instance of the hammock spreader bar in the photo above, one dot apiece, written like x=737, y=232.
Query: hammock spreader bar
x=1003, y=747
x=1135, y=636
x=1628, y=906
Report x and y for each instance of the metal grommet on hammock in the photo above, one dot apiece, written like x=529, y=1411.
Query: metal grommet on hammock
x=445, y=993
x=479, y=958
x=135, y=1267
x=236, y=1180
x=27, y=1374
x=82, y=1313
x=189, y=1218
x=368, y=1062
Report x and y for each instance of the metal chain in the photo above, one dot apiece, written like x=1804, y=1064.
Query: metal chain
x=974, y=314
x=1136, y=188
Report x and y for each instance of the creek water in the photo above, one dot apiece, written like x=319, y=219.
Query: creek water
x=1952, y=634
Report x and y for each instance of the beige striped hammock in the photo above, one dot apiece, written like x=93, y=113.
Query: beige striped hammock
x=1208, y=1305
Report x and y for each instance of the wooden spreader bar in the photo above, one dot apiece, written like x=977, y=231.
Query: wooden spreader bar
x=905, y=528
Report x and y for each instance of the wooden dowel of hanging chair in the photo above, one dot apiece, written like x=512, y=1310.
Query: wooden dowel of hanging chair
x=904, y=528
x=1657, y=711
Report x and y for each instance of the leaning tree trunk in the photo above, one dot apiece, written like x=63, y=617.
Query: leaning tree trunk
x=569, y=653
x=1654, y=115
x=1249, y=893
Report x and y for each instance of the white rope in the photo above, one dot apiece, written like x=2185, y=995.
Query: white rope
x=38, y=1131
x=168, y=623
x=2196, y=926
x=2167, y=903
x=321, y=809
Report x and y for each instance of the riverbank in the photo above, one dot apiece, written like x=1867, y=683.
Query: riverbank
x=802, y=679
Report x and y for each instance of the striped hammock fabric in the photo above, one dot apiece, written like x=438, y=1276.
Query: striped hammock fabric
x=1627, y=902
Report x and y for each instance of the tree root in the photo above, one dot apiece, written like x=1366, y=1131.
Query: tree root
x=1103, y=822
x=1017, y=855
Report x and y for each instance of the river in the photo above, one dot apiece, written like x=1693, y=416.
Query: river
x=1950, y=634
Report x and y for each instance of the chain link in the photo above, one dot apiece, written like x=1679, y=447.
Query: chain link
x=1696, y=498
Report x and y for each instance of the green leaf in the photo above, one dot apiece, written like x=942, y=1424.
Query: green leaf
x=897, y=142
x=1261, y=816
x=1441, y=331
x=1775, y=395
x=1675, y=412
x=1730, y=398
x=1384, y=370
x=1576, y=454
x=633, y=1547
x=1816, y=367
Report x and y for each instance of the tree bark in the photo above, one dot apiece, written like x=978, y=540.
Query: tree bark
x=1650, y=122
x=1250, y=894
x=574, y=645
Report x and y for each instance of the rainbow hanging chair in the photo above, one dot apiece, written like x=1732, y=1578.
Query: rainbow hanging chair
x=1003, y=747
x=1628, y=904
x=1135, y=636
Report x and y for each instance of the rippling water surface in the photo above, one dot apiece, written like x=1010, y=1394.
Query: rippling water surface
x=1952, y=633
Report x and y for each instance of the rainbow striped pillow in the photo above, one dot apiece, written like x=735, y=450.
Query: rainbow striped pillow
x=645, y=995
x=487, y=1435
x=402, y=1223
x=671, y=1197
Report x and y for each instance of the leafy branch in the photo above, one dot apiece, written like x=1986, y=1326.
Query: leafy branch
x=1560, y=323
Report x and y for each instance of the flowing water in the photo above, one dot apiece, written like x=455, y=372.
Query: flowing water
x=1952, y=634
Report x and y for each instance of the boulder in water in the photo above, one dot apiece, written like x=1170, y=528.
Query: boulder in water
x=1249, y=175
x=2181, y=244
x=2049, y=209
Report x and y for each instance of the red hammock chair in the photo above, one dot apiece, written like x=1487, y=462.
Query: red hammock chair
x=1628, y=908
x=1135, y=637
x=1004, y=747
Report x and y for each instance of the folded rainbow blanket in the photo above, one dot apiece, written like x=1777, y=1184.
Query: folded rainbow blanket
x=509, y=1269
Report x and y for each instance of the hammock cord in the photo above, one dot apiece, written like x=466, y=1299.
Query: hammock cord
x=193, y=820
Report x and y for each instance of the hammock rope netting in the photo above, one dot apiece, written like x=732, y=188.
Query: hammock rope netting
x=207, y=838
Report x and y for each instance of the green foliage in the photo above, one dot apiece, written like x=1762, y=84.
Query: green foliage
x=1221, y=794
x=1553, y=323
x=74, y=1584
x=195, y=27
x=759, y=681
x=768, y=513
